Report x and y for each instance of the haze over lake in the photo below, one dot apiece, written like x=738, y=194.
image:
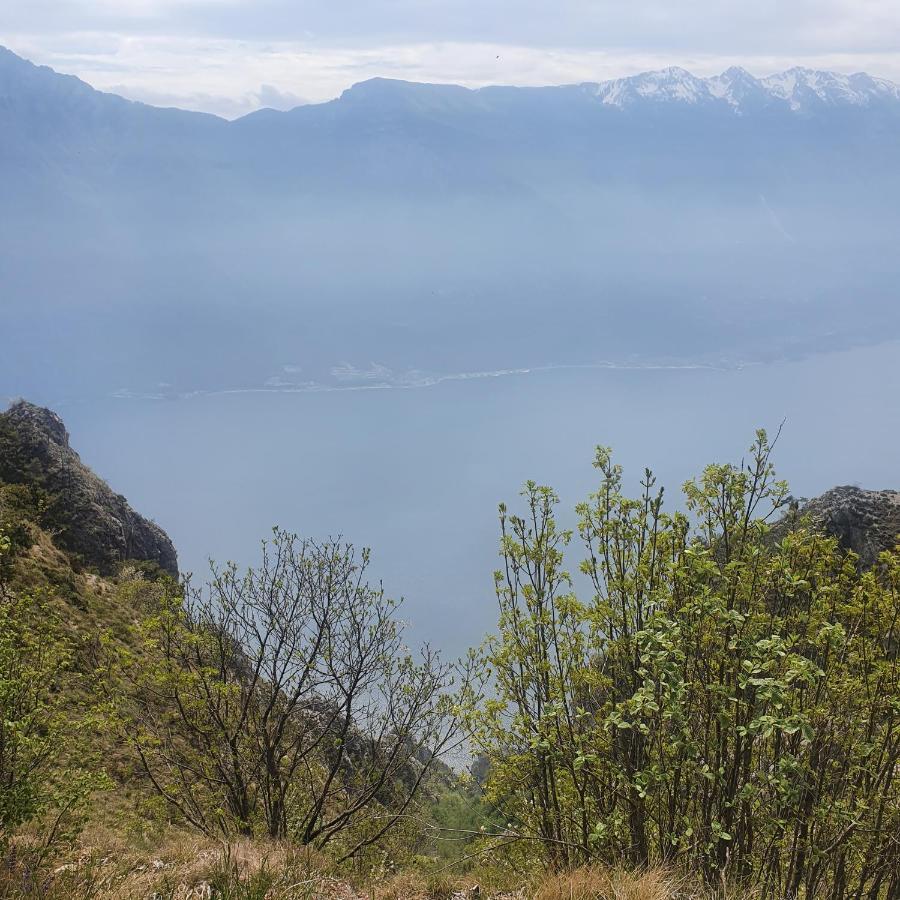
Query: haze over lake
x=417, y=473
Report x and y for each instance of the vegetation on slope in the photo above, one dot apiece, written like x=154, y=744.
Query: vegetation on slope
x=713, y=703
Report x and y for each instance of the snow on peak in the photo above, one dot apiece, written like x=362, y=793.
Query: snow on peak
x=666, y=84
x=798, y=88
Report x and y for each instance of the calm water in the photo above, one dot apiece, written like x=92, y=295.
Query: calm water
x=417, y=474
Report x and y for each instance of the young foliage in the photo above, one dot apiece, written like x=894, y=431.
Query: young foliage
x=726, y=701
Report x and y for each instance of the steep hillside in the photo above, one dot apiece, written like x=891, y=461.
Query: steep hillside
x=69, y=542
x=80, y=566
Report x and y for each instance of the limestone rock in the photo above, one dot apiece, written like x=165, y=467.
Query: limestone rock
x=86, y=517
x=866, y=522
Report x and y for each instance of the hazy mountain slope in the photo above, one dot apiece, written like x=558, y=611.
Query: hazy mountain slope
x=438, y=229
x=67, y=141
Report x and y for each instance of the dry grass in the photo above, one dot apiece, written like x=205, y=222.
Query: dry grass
x=591, y=883
x=184, y=867
x=181, y=866
x=421, y=886
x=406, y=886
x=599, y=884
x=581, y=884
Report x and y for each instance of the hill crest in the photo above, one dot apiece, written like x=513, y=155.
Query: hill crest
x=85, y=516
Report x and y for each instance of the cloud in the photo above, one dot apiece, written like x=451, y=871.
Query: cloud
x=269, y=96
x=227, y=106
x=724, y=26
x=224, y=106
x=232, y=56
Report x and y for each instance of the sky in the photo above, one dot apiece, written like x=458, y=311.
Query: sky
x=230, y=57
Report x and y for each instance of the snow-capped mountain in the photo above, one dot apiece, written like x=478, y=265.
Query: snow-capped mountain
x=798, y=89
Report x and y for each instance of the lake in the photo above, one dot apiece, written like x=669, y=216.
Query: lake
x=417, y=473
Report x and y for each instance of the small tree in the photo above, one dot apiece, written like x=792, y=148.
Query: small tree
x=284, y=699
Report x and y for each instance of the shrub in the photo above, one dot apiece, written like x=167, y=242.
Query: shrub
x=727, y=700
x=283, y=701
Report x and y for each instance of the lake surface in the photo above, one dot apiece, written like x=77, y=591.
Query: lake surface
x=417, y=473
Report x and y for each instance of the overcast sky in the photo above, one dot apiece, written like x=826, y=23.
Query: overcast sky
x=232, y=56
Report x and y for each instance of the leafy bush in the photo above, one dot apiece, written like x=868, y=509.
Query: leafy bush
x=727, y=700
x=32, y=663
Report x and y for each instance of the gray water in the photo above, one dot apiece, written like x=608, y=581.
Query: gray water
x=417, y=473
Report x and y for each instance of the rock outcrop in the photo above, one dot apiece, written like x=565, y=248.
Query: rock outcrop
x=866, y=522
x=86, y=517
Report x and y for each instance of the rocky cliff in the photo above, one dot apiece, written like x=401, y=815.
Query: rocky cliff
x=866, y=522
x=85, y=516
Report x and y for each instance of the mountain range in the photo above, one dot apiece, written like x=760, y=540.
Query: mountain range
x=801, y=90
x=417, y=228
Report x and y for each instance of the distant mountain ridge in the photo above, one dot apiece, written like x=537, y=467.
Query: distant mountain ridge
x=432, y=228
x=798, y=89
